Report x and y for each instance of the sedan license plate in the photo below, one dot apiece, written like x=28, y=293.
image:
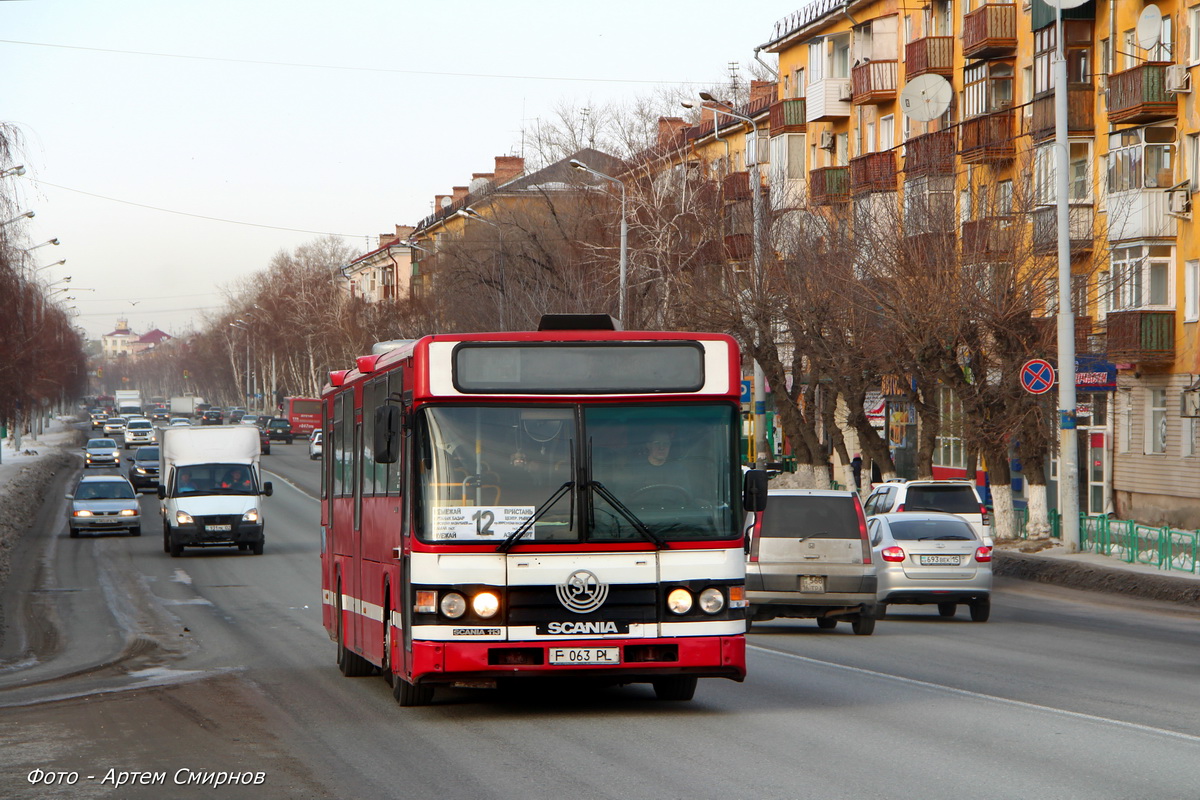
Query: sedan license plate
x=812, y=583
x=218, y=527
x=934, y=561
x=585, y=655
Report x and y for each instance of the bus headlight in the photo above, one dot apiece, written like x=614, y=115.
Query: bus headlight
x=453, y=605
x=485, y=604
x=183, y=518
x=712, y=600
x=679, y=601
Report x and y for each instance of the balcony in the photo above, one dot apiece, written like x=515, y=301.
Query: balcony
x=874, y=172
x=739, y=246
x=988, y=138
x=1140, y=95
x=1081, y=114
x=1080, y=220
x=930, y=154
x=827, y=99
x=1047, y=327
x=990, y=31
x=987, y=240
x=787, y=116
x=873, y=82
x=829, y=185
x=736, y=186
x=1142, y=337
x=932, y=54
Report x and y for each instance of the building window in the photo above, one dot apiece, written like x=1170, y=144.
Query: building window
x=948, y=450
x=929, y=204
x=1141, y=158
x=1125, y=416
x=1077, y=34
x=816, y=61
x=1141, y=277
x=988, y=88
x=1191, y=291
x=1156, y=421
x=1079, y=184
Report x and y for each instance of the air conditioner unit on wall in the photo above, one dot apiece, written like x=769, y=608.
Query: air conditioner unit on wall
x=1179, y=201
x=827, y=141
x=845, y=91
x=1189, y=406
x=1178, y=79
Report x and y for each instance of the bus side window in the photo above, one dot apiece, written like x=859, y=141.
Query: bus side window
x=395, y=471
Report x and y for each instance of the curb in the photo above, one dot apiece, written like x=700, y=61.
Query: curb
x=1088, y=577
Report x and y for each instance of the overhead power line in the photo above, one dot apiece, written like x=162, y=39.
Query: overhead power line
x=353, y=69
x=197, y=216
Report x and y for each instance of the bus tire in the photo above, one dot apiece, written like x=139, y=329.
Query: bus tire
x=350, y=663
x=675, y=688
x=407, y=695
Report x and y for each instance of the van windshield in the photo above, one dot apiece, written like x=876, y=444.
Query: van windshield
x=215, y=479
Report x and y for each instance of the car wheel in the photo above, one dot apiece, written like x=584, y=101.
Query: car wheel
x=675, y=688
x=74, y=533
x=947, y=609
x=166, y=539
x=981, y=610
x=136, y=530
x=176, y=549
x=826, y=623
x=257, y=548
x=863, y=625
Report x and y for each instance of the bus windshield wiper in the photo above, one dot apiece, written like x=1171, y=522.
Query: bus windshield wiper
x=527, y=525
x=624, y=511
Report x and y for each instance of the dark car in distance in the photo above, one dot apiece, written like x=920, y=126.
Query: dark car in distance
x=213, y=416
x=279, y=429
x=161, y=413
x=144, y=469
x=264, y=442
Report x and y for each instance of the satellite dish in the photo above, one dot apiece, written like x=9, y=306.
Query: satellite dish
x=1149, y=27
x=926, y=97
x=1064, y=4
x=447, y=202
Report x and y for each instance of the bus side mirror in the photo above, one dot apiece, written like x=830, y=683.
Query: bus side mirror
x=162, y=492
x=388, y=424
x=754, y=490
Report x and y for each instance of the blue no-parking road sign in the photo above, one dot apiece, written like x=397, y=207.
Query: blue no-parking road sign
x=1037, y=376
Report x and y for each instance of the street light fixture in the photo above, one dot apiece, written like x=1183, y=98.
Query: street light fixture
x=756, y=256
x=26, y=215
x=53, y=241
x=58, y=263
x=582, y=167
x=470, y=213
x=17, y=170
x=242, y=325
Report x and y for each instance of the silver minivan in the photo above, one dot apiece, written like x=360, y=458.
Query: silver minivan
x=808, y=557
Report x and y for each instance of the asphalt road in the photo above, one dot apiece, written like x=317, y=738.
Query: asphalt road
x=217, y=662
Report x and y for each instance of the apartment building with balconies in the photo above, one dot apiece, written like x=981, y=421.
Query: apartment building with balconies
x=983, y=171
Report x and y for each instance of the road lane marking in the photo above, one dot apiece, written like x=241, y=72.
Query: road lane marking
x=980, y=696
x=291, y=484
x=180, y=576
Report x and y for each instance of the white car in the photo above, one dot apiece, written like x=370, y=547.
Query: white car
x=931, y=558
x=139, y=431
x=951, y=497
x=179, y=422
x=315, y=443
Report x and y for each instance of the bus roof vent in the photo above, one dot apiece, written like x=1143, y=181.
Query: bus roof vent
x=578, y=322
x=379, y=348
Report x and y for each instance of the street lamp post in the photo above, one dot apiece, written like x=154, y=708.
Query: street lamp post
x=53, y=241
x=18, y=217
x=240, y=324
x=58, y=263
x=470, y=213
x=756, y=256
x=624, y=261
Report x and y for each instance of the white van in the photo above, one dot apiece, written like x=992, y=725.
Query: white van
x=211, y=489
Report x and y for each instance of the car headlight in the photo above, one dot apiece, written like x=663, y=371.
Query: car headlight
x=115, y=453
x=83, y=513
x=128, y=512
x=679, y=601
x=140, y=470
x=250, y=516
x=485, y=604
x=453, y=605
x=712, y=600
x=183, y=518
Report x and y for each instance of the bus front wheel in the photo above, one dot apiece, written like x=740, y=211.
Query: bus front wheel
x=675, y=687
x=408, y=695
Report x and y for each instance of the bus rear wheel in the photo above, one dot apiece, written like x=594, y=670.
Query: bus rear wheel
x=675, y=687
x=407, y=695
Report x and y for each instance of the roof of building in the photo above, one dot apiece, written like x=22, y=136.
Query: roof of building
x=154, y=337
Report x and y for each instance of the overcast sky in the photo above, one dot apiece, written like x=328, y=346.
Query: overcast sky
x=288, y=120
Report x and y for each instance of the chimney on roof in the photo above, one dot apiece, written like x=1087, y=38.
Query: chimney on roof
x=486, y=176
x=459, y=192
x=440, y=201
x=670, y=131
x=761, y=89
x=402, y=232
x=508, y=168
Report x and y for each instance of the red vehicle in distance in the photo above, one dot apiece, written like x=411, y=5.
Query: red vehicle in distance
x=304, y=413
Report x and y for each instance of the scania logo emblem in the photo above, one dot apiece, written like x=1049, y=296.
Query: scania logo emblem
x=582, y=592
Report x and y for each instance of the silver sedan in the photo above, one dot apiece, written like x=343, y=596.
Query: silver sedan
x=102, y=503
x=931, y=558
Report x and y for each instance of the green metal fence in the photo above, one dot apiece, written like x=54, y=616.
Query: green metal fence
x=1164, y=548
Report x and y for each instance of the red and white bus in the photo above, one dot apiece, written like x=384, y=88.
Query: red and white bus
x=304, y=413
x=491, y=509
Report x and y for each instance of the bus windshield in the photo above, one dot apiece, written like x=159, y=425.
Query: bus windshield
x=602, y=473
